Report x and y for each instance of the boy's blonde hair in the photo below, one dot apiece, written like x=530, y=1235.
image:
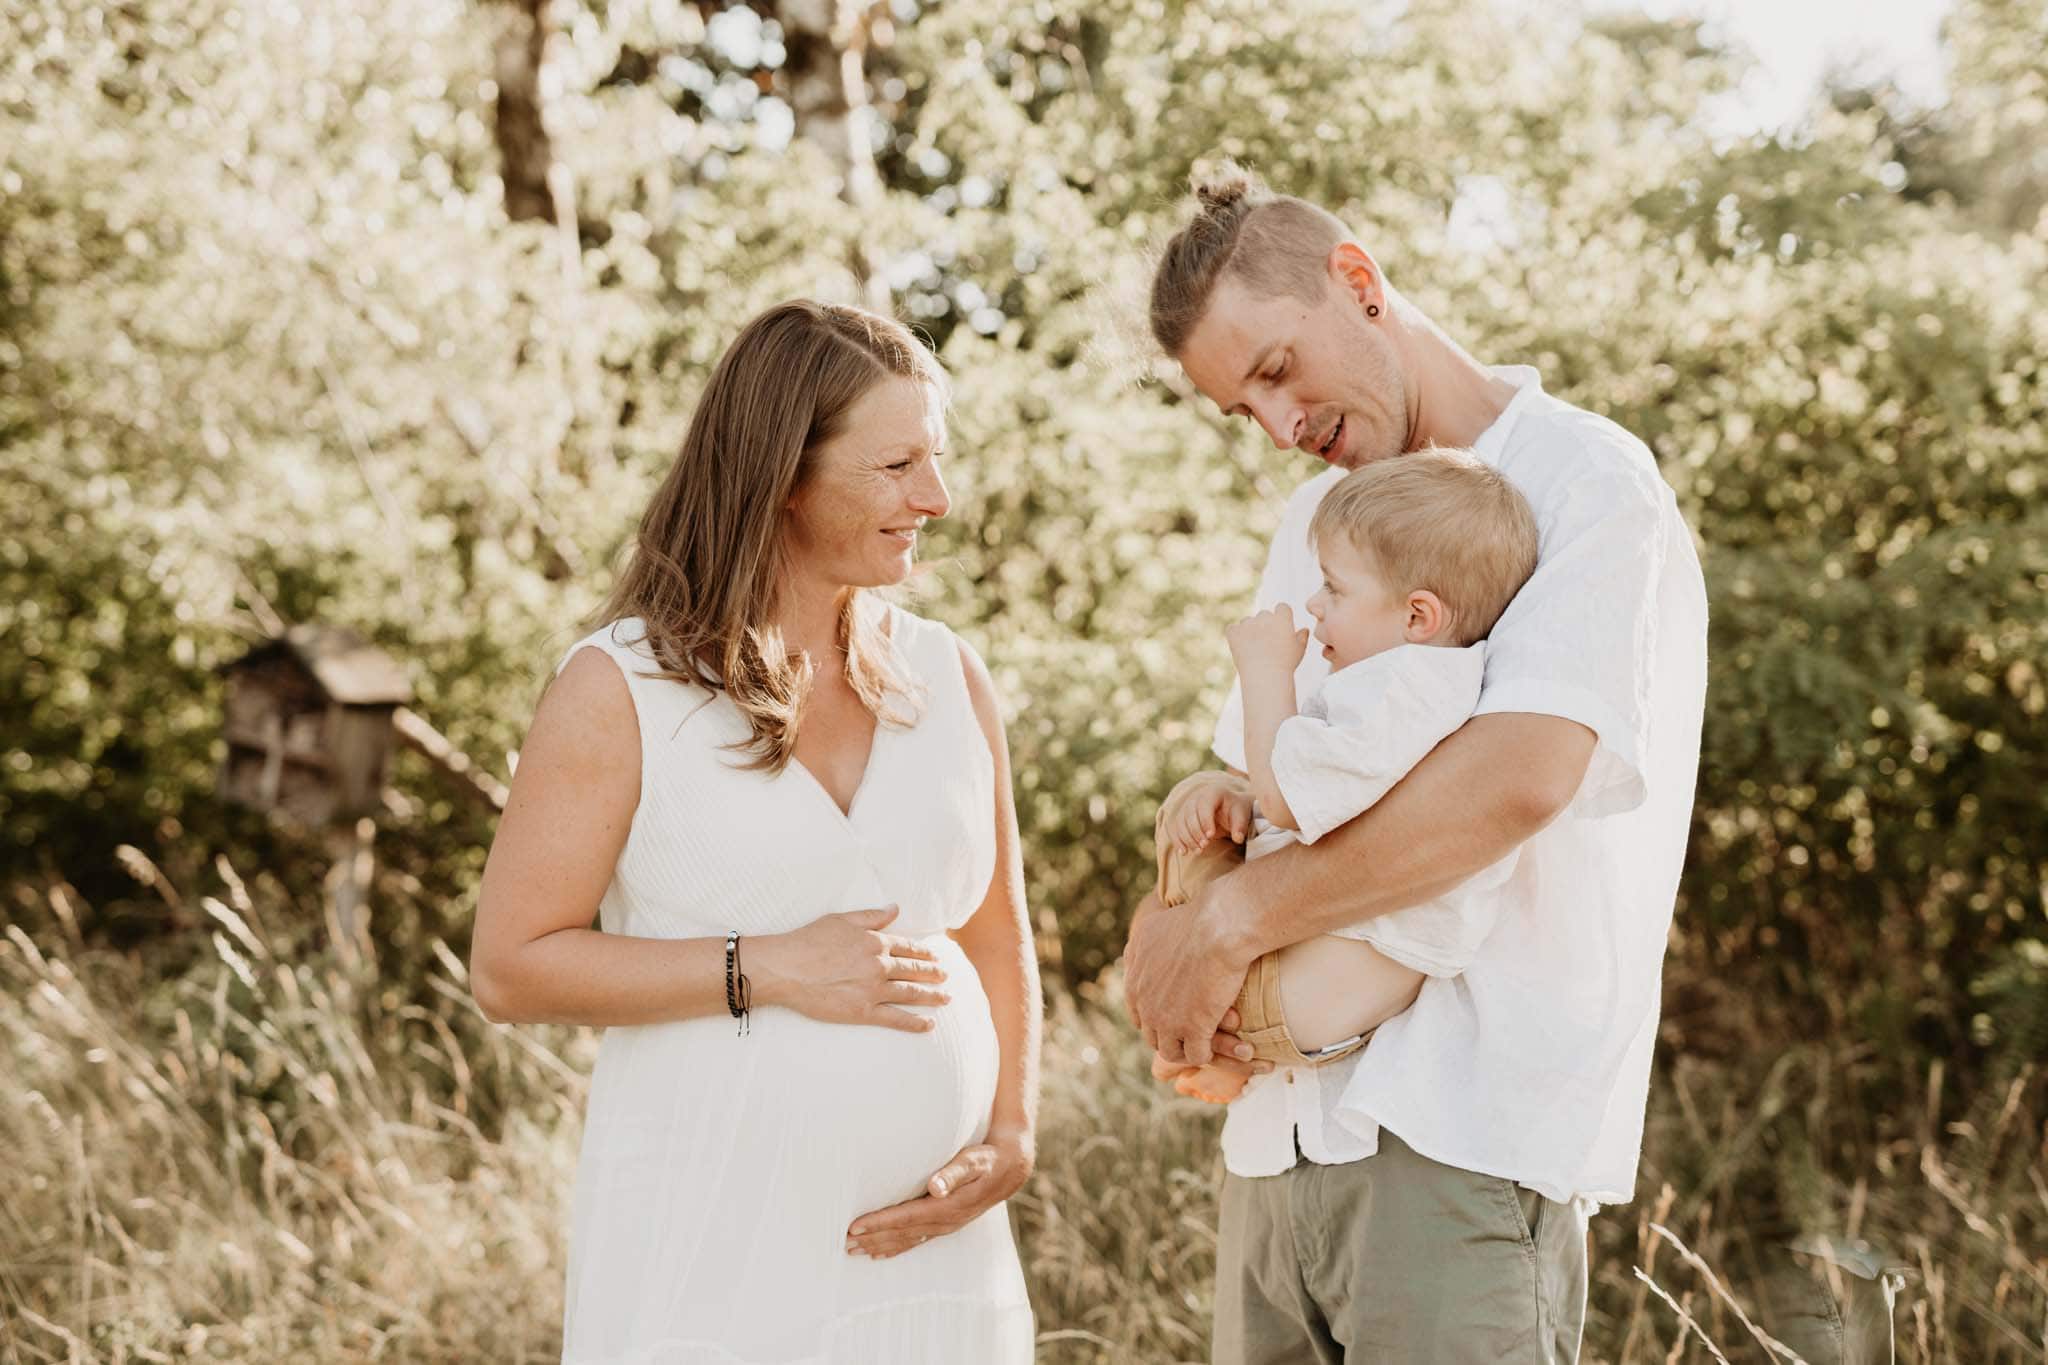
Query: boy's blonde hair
x=1437, y=520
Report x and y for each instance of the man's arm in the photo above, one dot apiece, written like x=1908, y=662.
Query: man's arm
x=1476, y=797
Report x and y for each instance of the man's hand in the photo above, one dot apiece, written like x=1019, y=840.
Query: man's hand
x=1183, y=1076
x=1267, y=641
x=1180, y=980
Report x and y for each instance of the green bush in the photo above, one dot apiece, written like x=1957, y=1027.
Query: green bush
x=271, y=346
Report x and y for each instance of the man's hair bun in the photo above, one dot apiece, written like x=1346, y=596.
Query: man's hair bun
x=1276, y=244
x=1225, y=188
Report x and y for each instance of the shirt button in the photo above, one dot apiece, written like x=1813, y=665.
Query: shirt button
x=1290, y=1075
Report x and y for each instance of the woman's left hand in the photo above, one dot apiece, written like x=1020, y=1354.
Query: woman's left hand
x=959, y=1192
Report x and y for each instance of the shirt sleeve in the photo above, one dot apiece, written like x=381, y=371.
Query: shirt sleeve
x=1377, y=724
x=1580, y=639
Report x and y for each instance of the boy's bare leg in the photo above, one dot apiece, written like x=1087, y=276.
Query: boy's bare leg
x=1181, y=875
x=1332, y=989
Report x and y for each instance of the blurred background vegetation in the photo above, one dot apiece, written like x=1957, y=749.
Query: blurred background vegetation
x=390, y=316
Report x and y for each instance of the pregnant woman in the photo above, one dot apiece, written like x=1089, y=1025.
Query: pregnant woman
x=787, y=805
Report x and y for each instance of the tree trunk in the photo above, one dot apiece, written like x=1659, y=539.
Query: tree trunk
x=825, y=75
x=524, y=154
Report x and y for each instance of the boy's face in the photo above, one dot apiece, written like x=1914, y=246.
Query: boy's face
x=1357, y=614
x=1319, y=377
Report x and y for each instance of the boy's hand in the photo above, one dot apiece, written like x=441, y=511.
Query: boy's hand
x=1267, y=639
x=1216, y=811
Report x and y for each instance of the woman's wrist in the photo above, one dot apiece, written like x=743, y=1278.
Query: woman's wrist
x=762, y=959
x=1021, y=1131
x=1018, y=1140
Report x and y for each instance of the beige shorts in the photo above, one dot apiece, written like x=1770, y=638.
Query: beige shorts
x=1260, y=1019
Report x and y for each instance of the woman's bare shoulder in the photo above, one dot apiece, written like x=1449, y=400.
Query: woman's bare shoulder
x=586, y=717
x=981, y=690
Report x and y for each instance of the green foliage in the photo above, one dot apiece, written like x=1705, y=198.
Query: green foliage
x=1843, y=387
x=267, y=343
x=1982, y=151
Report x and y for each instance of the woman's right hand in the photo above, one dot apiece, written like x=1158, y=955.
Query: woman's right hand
x=842, y=969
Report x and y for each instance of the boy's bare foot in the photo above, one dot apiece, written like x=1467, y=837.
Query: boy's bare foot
x=1212, y=1084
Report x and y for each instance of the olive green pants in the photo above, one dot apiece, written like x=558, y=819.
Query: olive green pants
x=1396, y=1260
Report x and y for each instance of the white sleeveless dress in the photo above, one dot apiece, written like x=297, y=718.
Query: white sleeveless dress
x=719, y=1172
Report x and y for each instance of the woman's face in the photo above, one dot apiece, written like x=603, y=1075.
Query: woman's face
x=853, y=523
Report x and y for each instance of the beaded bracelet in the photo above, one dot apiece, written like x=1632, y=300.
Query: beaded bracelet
x=739, y=992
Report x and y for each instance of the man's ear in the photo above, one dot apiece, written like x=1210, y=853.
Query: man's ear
x=1428, y=617
x=1358, y=274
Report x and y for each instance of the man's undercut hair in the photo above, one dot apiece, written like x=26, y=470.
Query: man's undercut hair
x=1274, y=243
x=1441, y=521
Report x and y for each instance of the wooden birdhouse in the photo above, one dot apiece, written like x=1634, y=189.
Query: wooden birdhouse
x=310, y=724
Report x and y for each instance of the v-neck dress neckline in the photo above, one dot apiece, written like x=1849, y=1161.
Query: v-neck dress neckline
x=867, y=771
x=867, y=767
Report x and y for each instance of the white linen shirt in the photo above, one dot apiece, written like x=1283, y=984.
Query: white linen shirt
x=1354, y=738
x=1534, y=1063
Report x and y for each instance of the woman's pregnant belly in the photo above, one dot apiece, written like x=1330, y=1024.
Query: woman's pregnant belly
x=891, y=1107
x=854, y=1116
x=719, y=1173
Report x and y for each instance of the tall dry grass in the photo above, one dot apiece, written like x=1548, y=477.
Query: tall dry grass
x=260, y=1157
x=260, y=1160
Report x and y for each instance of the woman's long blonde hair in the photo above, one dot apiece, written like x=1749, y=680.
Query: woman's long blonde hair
x=704, y=572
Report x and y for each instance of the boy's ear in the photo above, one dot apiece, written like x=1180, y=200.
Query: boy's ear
x=1428, y=617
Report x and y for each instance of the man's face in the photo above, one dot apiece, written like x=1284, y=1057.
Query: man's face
x=1317, y=376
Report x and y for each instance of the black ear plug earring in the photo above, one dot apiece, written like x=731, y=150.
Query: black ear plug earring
x=1372, y=310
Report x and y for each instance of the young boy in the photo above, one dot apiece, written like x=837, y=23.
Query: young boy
x=1420, y=555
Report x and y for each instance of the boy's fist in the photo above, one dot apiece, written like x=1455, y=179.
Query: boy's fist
x=1218, y=810
x=1267, y=639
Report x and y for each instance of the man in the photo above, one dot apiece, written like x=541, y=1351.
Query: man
x=1425, y=1200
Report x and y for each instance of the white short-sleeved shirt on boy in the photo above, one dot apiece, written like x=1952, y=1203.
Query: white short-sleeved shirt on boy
x=1354, y=738
x=1533, y=1064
